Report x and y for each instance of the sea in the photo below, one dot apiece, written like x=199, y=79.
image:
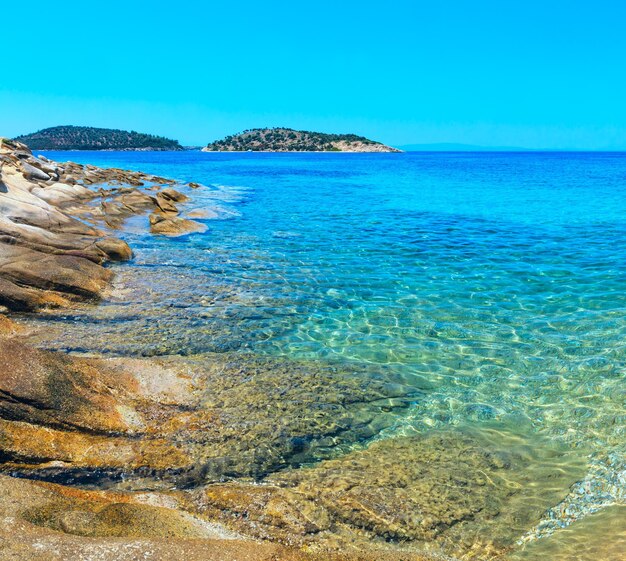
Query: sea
x=493, y=282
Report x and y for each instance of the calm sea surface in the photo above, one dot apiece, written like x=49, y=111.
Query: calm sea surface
x=494, y=282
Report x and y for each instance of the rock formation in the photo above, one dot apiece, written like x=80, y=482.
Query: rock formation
x=51, y=251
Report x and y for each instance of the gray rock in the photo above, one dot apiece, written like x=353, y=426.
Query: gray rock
x=32, y=172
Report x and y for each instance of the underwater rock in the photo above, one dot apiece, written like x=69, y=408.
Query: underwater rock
x=48, y=522
x=599, y=536
x=451, y=490
x=65, y=418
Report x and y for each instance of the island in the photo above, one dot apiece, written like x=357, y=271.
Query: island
x=290, y=140
x=91, y=138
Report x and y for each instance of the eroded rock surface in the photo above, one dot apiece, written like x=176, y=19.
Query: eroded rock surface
x=188, y=421
x=46, y=522
x=461, y=492
x=51, y=250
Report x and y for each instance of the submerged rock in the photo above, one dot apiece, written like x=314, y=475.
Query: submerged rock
x=44, y=522
x=153, y=424
x=600, y=536
x=448, y=491
x=65, y=418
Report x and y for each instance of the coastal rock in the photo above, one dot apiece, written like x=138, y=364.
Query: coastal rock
x=174, y=225
x=173, y=195
x=449, y=490
x=190, y=421
x=165, y=204
x=21, y=299
x=74, y=275
x=44, y=388
x=59, y=193
x=8, y=328
x=137, y=201
x=20, y=205
x=39, y=239
x=31, y=172
x=115, y=250
x=50, y=251
x=46, y=522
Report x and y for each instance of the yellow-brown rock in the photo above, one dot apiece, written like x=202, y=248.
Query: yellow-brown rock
x=173, y=225
x=48, y=254
x=47, y=522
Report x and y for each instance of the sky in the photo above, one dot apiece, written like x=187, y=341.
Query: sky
x=539, y=74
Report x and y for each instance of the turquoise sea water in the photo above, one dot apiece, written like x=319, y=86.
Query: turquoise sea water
x=496, y=283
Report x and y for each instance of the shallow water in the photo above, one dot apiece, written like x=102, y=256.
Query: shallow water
x=494, y=283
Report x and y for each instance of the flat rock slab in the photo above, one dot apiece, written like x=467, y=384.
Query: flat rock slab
x=457, y=492
x=192, y=421
x=44, y=522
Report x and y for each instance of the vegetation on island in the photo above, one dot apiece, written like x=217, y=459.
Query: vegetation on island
x=289, y=140
x=91, y=138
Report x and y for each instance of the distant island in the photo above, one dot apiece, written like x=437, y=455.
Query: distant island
x=290, y=140
x=91, y=138
x=457, y=147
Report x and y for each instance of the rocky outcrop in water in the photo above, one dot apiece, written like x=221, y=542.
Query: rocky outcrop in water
x=446, y=491
x=137, y=428
x=51, y=250
x=193, y=447
x=230, y=434
x=47, y=522
x=188, y=421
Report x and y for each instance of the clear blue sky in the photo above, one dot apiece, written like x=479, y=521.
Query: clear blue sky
x=543, y=74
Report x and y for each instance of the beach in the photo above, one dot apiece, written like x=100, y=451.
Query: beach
x=430, y=367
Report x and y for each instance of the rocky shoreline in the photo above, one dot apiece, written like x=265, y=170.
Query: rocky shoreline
x=201, y=457
x=136, y=429
x=52, y=251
